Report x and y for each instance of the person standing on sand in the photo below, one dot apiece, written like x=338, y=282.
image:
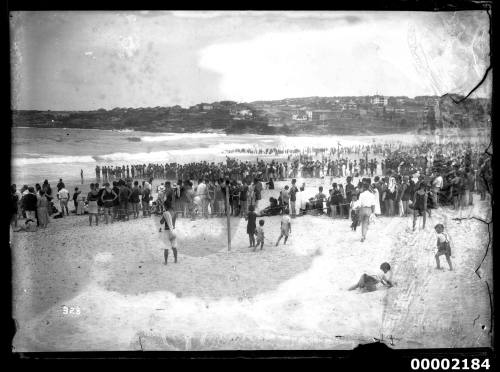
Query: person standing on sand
x=219, y=199
x=134, y=199
x=14, y=205
x=79, y=202
x=251, y=225
x=443, y=246
x=293, y=198
x=259, y=231
x=108, y=197
x=76, y=193
x=93, y=210
x=202, y=192
x=251, y=194
x=286, y=228
x=60, y=184
x=81, y=175
x=29, y=202
x=123, y=197
x=258, y=193
x=420, y=205
x=168, y=218
x=42, y=210
x=366, y=209
x=243, y=199
x=145, y=198
x=63, y=196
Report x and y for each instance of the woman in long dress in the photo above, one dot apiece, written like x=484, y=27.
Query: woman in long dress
x=80, y=204
x=42, y=210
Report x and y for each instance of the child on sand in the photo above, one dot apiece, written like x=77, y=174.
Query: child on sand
x=260, y=235
x=286, y=228
x=29, y=226
x=251, y=218
x=368, y=282
x=443, y=246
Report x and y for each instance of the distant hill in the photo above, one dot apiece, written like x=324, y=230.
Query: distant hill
x=291, y=116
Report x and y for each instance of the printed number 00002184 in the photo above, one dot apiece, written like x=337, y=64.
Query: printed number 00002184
x=425, y=364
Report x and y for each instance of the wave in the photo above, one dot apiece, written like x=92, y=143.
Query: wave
x=179, y=136
x=52, y=160
x=156, y=156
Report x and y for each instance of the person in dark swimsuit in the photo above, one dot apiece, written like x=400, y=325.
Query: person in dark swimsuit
x=251, y=225
x=108, y=197
x=419, y=205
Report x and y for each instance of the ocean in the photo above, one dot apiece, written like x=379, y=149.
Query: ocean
x=53, y=153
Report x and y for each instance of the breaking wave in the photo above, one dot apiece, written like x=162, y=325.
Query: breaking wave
x=179, y=136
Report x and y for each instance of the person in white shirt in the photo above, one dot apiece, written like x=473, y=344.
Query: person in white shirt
x=202, y=192
x=63, y=196
x=286, y=228
x=168, y=217
x=437, y=184
x=366, y=209
x=368, y=282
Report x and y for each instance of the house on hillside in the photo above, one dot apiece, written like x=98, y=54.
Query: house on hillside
x=300, y=116
x=241, y=113
x=351, y=105
x=379, y=101
x=314, y=115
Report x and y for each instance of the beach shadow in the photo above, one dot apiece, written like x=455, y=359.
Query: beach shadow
x=205, y=268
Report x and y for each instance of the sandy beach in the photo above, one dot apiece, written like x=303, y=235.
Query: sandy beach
x=285, y=297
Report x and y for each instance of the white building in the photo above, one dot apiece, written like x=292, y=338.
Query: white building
x=379, y=100
x=300, y=116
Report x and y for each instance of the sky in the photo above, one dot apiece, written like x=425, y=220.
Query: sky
x=91, y=60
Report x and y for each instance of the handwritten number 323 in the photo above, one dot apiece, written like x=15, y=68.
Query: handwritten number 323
x=71, y=310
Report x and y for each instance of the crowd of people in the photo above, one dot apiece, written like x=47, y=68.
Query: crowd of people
x=403, y=179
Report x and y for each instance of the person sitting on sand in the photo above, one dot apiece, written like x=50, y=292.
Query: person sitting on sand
x=29, y=226
x=259, y=231
x=286, y=228
x=368, y=282
x=443, y=246
x=168, y=218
